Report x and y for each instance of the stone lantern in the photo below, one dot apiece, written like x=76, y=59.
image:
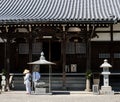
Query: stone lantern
x=106, y=89
x=3, y=83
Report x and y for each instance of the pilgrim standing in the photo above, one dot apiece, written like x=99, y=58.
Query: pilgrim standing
x=27, y=81
x=35, y=76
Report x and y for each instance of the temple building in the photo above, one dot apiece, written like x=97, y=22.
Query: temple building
x=77, y=35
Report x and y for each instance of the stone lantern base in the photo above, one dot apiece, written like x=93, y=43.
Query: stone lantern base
x=106, y=90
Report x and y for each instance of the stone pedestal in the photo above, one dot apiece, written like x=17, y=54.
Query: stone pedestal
x=40, y=90
x=88, y=85
x=106, y=90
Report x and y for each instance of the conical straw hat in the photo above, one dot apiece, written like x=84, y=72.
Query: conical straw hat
x=26, y=71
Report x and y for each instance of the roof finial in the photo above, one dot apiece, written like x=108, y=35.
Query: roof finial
x=42, y=56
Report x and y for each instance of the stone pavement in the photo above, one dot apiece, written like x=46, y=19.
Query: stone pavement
x=21, y=96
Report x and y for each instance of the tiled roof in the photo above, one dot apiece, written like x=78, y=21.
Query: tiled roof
x=59, y=11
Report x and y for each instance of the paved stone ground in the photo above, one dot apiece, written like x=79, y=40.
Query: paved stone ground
x=21, y=96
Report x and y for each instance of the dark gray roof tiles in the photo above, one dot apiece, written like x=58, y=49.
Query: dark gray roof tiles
x=16, y=11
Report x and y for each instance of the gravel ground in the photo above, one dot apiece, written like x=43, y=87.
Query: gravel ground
x=21, y=96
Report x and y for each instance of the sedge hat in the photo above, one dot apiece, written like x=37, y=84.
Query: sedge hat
x=26, y=71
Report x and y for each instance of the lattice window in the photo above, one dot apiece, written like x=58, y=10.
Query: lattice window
x=116, y=55
x=104, y=55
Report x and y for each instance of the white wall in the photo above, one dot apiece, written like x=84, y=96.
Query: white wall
x=106, y=36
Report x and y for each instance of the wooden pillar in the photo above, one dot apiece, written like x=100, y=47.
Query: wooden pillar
x=7, y=58
x=111, y=45
x=88, y=62
x=8, y=62
x=88, y=55
x=5, y=52
x=90, y=30
x=30, y=46
x=50, y=68
x=63, y=50
x=88, y=49
x=111, y=32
